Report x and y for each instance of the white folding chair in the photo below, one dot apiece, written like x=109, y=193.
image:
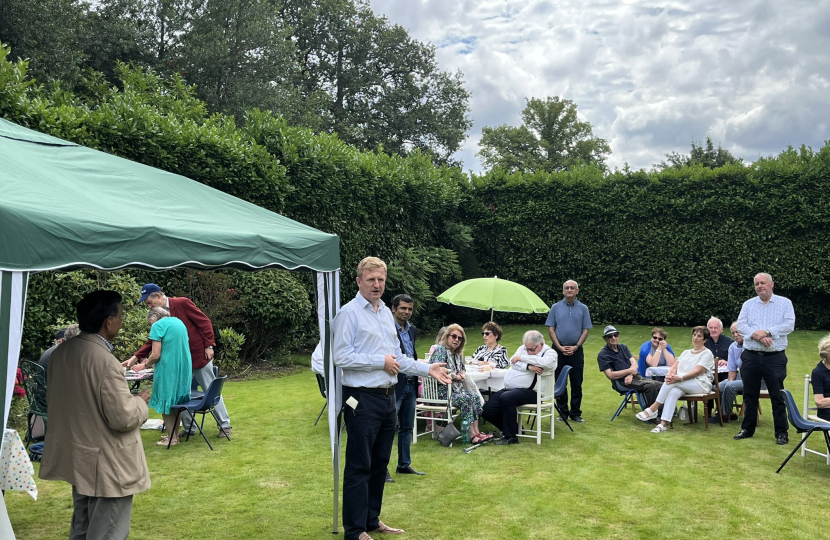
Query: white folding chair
x=431, y=402
x=537, y=412
x=811, y=418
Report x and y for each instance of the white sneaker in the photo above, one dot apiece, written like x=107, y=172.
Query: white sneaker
x=646, y=415
x=659, y=429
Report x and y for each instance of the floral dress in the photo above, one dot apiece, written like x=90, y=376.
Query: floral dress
x=497, y=355
x=467, y=402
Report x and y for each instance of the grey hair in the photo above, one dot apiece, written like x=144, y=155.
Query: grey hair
x=824, y=347
x=713, y=318
x=574, y=281
x=768, y=276
x=158, y=313
x=734, y=326
x=71, y=331
x=534, y=337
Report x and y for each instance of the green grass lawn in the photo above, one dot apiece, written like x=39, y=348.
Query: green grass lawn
x=606, y=480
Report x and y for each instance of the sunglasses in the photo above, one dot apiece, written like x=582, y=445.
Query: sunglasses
x=455, y=336
x=615, y=334
x=487, y=333
x=656, y=337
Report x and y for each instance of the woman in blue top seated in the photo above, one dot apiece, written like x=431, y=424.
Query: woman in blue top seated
x=171, y=357
x=655, y=352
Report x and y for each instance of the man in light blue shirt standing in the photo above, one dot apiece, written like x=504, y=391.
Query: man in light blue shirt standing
x=765, y=321
x=366, y=348
x=568, y=323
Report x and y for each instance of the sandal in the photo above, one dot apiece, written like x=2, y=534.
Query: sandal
x=647, y=415
x=383, y=528
x=165, y=441
x=659, y=429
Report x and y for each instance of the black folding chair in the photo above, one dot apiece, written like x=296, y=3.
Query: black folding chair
x=205, y=404
x=802, y=426
x=321, y=382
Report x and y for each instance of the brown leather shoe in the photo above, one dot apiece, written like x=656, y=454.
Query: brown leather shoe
x=226, y=434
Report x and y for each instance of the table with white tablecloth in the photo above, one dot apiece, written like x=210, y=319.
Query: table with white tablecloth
x=492, y=379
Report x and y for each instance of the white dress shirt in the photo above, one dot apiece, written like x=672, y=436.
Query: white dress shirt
x=518, y=376
x=777, y=316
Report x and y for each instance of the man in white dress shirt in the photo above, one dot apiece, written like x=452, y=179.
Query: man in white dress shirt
x=366, y=348
x=519, y=385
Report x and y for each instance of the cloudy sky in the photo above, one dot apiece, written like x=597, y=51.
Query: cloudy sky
x=651, y=77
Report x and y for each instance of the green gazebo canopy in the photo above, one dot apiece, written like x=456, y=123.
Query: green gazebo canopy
x=65, y=206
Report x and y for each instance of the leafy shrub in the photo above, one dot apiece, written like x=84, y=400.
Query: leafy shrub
x=230, y=345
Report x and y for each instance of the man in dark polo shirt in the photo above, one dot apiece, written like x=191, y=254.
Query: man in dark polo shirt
x=568, y=323
x=717, y=343
x=619, y=365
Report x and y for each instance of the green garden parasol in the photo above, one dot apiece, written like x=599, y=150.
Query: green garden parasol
x=494, y=294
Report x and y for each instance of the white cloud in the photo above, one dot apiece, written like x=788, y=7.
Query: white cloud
x=649, y=76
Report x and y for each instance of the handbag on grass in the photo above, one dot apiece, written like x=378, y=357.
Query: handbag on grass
x=448, y=434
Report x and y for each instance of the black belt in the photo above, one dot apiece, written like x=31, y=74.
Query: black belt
x=765, y=353
x=410, y=380
x=386, y=391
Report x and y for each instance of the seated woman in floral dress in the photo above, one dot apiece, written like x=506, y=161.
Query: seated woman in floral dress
x=451, y=352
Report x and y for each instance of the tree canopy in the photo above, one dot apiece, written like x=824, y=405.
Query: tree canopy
x=551, y=138
x=329, y=65
x=708, y=156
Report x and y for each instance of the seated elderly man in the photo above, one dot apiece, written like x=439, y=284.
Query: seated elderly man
x=519, y=385
x=733, y=385
x=620, y=366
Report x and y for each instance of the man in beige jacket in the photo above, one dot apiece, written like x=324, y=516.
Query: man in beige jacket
x=93, y=440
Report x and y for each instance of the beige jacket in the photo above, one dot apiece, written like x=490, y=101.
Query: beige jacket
x=92, y=440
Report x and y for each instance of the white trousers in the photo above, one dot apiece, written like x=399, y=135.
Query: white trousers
x=670, y=393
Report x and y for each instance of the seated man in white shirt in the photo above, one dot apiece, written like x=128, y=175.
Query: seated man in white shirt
x=519, y=385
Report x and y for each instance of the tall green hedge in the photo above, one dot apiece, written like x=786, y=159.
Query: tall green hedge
x=663, y=248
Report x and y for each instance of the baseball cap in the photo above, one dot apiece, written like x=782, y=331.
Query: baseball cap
x=609, y=330
x=147, y=290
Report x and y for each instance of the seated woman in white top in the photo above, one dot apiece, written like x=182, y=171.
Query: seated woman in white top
x=691, y=374
x=491, y=351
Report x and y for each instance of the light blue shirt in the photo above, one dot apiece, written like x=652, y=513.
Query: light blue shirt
x=362, y=339
x=568, y=321
x=776, y=316
x=733, y=362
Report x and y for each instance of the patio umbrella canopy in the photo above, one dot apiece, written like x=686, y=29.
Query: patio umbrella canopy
x=494, y=294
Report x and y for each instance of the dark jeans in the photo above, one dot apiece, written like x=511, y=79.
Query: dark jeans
x=772, y=370
x=405, y=406
x=371, y=430
x=577, y=363
x=100, y=518
x=500, y=410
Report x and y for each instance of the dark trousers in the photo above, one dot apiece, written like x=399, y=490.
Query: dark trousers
x=405, y=405
x=646, y=387
x=772, y=370
x=100, y=518
x=371, y=430
x=500, y=410
x=577, y=363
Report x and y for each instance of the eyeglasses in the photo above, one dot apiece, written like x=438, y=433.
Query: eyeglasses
x=455, y=336
x=656, y=337
x=487, y=333
x=615, y=334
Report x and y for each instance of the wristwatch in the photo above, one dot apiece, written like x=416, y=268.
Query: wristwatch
x=209, y=347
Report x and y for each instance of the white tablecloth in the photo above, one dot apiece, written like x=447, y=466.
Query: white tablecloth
x=493, y=379
x=15, y=467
